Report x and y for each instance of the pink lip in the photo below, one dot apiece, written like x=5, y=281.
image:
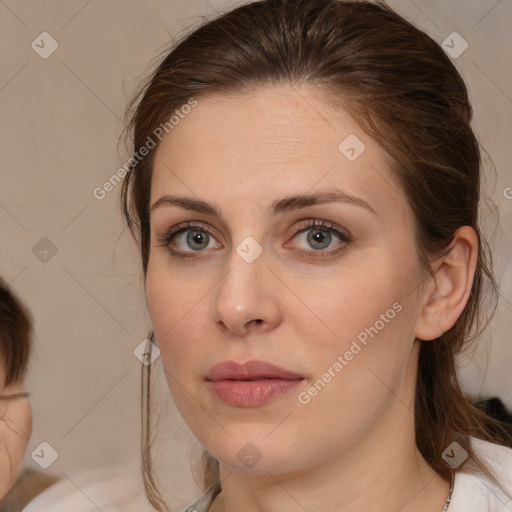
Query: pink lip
x=251, y=384
x=251, y=370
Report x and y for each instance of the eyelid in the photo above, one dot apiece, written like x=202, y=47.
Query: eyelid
x=168, y=236
x=343, y=235
x=324, y=225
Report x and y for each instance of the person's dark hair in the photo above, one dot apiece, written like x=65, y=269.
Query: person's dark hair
x=15, y=335
x=405, y=92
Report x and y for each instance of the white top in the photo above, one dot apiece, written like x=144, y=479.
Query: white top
x=121, y=490
x=110, y=489
x=476, y=493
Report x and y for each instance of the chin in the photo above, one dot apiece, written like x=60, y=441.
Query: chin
x=259, y=454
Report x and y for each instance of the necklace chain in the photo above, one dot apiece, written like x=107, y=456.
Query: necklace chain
x=448, y=499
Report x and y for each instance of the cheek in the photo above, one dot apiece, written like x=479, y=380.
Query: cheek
x=356, y=302
x=362, y=332
x=13, y=444
x=369, y=323
x=178, y=309
x=22, y=417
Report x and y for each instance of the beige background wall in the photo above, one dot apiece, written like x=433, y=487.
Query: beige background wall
x=59, y=128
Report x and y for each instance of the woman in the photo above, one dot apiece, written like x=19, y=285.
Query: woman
x=304, y=188
x=16, y=413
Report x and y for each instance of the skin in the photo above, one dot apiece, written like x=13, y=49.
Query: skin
x=15, y=431
x=352, y=447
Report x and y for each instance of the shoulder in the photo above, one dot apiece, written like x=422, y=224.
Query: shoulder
x=474, y=491
x=117, y=489
x=498, y=457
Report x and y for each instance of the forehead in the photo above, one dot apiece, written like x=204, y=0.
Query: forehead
x=270, y=119
x=272, y=139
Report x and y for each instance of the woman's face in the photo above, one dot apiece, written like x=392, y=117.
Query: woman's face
x=335, y=305
x=15, y=431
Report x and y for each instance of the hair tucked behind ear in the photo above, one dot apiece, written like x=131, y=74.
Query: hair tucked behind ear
x=405, y=92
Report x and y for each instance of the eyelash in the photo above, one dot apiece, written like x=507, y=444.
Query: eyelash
x=166, y=239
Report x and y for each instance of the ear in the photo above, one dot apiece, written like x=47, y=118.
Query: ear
x=448, y=290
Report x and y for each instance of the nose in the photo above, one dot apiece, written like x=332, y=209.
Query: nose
x=246, y=298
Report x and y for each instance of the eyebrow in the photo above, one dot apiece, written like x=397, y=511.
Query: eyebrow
x=286, y=204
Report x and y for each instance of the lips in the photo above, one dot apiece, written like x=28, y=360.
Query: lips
x=251, y=384
x=252, y=370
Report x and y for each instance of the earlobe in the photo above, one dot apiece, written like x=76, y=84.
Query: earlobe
x=450, y=286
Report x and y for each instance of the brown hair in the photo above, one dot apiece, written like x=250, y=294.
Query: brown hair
x=15, y=335
x=406, y=94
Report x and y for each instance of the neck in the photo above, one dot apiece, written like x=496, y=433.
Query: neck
x=420, y=488
x=373, y=483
